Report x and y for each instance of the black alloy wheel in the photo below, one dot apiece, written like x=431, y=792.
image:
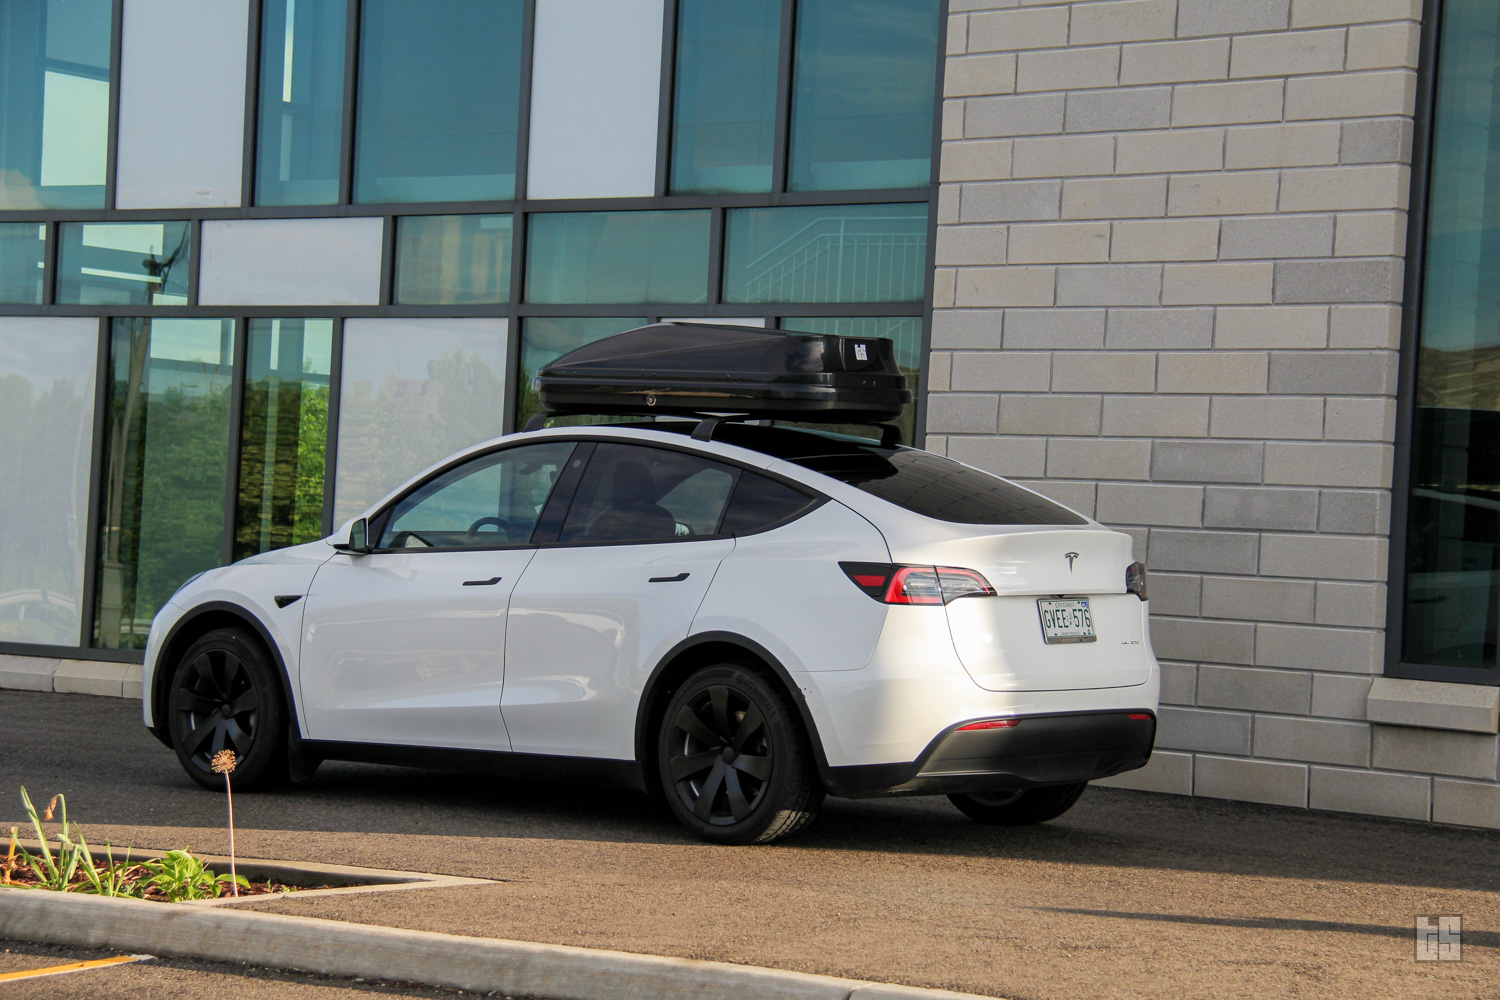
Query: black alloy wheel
x=225, y=696
x=733, y=759
x=1019, y=807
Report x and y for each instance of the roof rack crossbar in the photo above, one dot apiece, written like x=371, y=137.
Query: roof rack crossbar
x=890, y=435
x=537, y=420
x=709, y=424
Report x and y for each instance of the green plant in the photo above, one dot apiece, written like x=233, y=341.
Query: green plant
x=73, y=857
x=180, y=876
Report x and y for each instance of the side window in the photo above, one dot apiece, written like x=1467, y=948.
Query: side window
x=760, y=502
x=490, y=501
x=631, y=493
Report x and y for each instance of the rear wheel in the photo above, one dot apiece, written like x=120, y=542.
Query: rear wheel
x=733, y=759
x=1019, y=807
x=226, y=695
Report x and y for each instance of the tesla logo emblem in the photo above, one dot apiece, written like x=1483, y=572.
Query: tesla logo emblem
x=1070, y=556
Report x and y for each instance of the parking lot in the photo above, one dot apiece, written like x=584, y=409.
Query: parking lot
x=1129, y=894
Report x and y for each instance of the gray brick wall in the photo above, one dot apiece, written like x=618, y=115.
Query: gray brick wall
x=1169, y=276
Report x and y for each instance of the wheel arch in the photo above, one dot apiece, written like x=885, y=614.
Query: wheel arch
x=693, y=653
x=189, y=629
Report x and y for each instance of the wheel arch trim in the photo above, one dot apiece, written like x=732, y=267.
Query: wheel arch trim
x=645, y=738
x=178, y=637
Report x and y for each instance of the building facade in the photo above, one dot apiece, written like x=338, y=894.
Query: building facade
x=1211, y=271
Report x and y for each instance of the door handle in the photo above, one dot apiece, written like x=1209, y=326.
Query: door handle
x=482, y=583
x=670, y=579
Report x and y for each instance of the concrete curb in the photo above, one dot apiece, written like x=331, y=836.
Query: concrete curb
x=335, y=948
x=109, y=678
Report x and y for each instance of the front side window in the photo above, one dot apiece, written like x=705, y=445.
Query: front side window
x=493, y=501
x=634, y=494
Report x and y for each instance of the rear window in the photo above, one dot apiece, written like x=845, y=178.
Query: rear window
x=937, y=487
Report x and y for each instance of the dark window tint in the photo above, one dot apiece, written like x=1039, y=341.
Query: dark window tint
x=760, y=502
x=635, y=494
x=494, y=500
x=939, y=488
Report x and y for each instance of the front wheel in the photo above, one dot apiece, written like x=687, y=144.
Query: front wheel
x=733, y=759
x=1019, y=807
x=226, y=695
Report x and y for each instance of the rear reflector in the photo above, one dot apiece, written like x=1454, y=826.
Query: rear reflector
x=1140, y=716
x=989, y=724
x=893, y=583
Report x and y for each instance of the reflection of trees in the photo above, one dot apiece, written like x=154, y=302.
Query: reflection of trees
x=164, y=490
x=46, y=449
x=282, y=461
x=407, y=424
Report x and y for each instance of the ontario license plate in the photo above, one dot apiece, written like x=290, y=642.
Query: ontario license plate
x=1066, y=620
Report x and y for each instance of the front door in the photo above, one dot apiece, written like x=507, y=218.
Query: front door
x=594, y=613
x=406, y=644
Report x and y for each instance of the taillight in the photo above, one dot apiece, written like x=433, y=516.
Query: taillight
x=1135, y=580
x=891, y=583
x=987, y=724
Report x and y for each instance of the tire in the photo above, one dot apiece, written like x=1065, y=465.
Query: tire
x=1019, y=807
x=228, y=669
x=733, y=759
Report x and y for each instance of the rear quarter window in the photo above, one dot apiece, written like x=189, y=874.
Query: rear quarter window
x=760, y=503
x=938, y=487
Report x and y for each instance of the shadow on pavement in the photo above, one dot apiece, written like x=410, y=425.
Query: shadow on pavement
x=116, y=774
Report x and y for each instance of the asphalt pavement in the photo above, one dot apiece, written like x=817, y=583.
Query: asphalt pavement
x=1127, y=895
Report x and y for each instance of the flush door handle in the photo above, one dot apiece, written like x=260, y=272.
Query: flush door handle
x=670, y=579
x=482, y=583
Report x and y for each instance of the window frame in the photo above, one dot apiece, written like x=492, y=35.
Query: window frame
x=1411, y=319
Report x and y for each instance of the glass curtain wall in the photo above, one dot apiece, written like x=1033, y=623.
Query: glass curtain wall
x=453, y=259
x=301, y=102
x=1453, y=532
x=46, y=440
x=724, y=109
x=123, y=263
x=439, y=100
x=607, y=257
x=834, y=253
x=862, y=94
x=54, y=102
x=166, y=468
x=23, y=255
x=283, y=434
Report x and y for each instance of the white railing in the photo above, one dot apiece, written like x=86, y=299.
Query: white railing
x=824, y=262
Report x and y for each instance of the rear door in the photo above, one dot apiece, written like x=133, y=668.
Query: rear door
x=598, y=609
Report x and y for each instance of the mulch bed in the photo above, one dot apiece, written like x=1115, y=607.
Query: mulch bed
x=23, y=876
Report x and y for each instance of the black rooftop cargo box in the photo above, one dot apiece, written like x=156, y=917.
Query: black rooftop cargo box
x=690, y=368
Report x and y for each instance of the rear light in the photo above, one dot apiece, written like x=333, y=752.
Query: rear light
x=989, y=724
x=891, y=583
x=1135, y=580
x=1140, y=716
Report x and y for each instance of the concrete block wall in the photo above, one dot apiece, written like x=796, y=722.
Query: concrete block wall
x=1170, y=258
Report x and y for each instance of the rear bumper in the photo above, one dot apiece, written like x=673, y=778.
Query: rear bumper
x=1039, y=750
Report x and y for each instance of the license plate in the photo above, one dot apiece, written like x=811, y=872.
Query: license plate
x=1066, y=621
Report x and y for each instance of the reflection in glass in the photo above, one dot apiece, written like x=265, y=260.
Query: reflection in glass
x=906, y=331
x=411, y=392
x=862, y=94
x=283, y=434
x=1453, y=542
x=123, y=263
x=544, y=339
x=301, y=102
x=439, y=98
x=46, y=436
x=452, y=259
x=724, y=112
x=54, y=102
x=837, y=253
x=23, y=255
x=166, y=455
x=618, y=257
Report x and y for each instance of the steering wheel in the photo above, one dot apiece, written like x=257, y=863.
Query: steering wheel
x=472, y=535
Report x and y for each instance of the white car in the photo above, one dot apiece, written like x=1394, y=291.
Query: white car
x=740, y=618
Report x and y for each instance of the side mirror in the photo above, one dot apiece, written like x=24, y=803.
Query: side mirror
x=356, y=540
